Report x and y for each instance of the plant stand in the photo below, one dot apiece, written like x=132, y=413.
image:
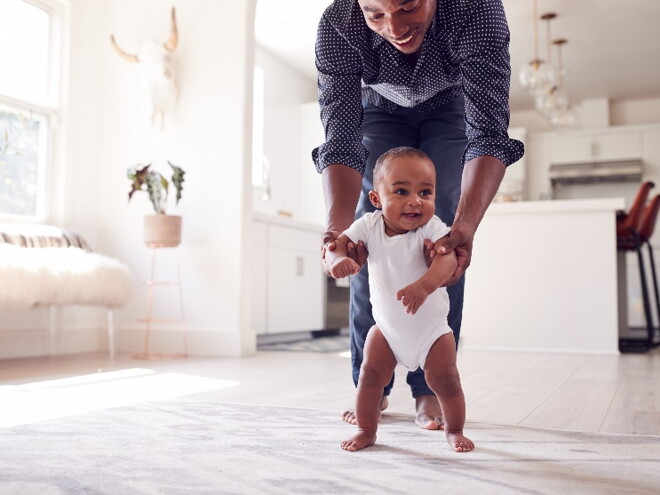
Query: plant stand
x=151, y=284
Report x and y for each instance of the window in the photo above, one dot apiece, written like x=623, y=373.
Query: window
x=30, y=50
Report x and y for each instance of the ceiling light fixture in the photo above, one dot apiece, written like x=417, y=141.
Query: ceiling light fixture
x=562, y=115
x=545, y=81
x=537, y=76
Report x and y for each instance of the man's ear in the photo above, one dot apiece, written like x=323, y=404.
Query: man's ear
x=375, y=200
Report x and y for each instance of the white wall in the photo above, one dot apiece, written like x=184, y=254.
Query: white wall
x=209, y=136
x=108, y=129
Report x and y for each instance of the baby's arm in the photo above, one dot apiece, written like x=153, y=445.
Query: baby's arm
x=442, y=268
x=340, y=264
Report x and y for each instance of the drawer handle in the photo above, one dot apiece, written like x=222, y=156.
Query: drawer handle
x=300, y=266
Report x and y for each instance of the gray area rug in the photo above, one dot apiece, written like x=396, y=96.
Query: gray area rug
x=321, y=344
x=195, y=447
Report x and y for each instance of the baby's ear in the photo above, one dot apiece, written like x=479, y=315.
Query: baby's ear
x=373, y=197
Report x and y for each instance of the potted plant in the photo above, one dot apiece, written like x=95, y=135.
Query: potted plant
x=161, y=229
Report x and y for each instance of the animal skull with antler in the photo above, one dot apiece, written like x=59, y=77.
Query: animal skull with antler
x=155, y=60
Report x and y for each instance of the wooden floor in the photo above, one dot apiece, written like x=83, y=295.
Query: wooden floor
x=613, y=394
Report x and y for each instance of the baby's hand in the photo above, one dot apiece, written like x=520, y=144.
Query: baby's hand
x=344, y=267
x=412, y=296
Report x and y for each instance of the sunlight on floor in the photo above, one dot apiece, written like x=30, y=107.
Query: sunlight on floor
x=39, y=401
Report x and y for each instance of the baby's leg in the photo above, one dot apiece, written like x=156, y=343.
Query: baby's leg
x=376, y=372
x=442, y=377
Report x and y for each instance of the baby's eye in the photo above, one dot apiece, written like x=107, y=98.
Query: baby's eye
x=401, y=192
x=426, y=192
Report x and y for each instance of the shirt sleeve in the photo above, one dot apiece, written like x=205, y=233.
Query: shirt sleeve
x=483, y=48
x=339, y=69
x=358, y=230
x=434, y=229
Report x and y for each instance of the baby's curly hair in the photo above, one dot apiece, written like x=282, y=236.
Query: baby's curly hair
x=397, y=152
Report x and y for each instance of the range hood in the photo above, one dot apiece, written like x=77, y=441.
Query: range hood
x=596, y=172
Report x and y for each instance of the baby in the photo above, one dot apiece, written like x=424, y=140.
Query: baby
x=414, y=331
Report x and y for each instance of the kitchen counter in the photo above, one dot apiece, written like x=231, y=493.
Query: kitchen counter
x=562, y=205
x=544, y=277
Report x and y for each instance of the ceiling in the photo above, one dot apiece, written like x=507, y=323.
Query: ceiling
x=613, y=47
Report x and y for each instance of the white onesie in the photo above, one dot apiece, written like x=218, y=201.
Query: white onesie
x=394, y=263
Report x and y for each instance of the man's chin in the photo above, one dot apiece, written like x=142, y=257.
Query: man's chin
x=406, y=50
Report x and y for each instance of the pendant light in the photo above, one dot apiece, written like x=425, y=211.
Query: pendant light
x=537, y=76
x=562, y=115
x=545, y=101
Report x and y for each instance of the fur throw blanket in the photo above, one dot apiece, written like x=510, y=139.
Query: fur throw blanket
x=61, y=276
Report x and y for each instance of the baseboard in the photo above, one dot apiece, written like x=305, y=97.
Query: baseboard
x=539, y=350
x=202, y=342
x=287, y=337
x=26, y=343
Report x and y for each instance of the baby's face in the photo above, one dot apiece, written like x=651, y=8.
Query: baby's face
x=406, y=193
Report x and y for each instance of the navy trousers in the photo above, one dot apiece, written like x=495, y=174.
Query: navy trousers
x=441, y=134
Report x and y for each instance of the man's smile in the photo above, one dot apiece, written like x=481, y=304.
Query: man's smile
x=405, y=40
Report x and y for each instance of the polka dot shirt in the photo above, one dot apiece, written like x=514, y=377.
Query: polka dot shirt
x=466, y=50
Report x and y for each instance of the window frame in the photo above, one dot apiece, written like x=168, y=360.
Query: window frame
x=51, y=111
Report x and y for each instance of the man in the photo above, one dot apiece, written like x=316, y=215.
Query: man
x=430, y=74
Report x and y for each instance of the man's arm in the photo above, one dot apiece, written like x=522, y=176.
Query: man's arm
x=481, y=179
x=413, y=296
x=341, y=157
x=483, y=48
x=341, y=190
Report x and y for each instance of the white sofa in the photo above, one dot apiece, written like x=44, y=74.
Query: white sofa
x=42, y=265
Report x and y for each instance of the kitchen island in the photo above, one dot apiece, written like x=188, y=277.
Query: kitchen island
x=544, y=277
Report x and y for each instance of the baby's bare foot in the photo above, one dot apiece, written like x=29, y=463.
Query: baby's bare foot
x=349, y=415
x=359, y=441
x=459, y=442
x=429, y=413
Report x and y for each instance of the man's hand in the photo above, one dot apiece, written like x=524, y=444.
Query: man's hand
x=459, y=241
x=358, y=253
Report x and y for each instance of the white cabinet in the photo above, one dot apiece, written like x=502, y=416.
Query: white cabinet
x=620, y=143
x=258, y=277
x=605, y=146
x=289, y=287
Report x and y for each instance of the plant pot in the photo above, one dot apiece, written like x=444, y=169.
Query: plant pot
x=162, y=230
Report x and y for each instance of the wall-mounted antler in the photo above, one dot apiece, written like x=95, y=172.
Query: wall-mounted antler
x=170, y=46
x=155, y=60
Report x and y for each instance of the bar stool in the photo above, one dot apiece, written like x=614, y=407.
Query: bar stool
x=626, y=223
x=633, y=239
x=646, y=229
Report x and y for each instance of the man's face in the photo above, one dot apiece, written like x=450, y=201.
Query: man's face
x=403, y=23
